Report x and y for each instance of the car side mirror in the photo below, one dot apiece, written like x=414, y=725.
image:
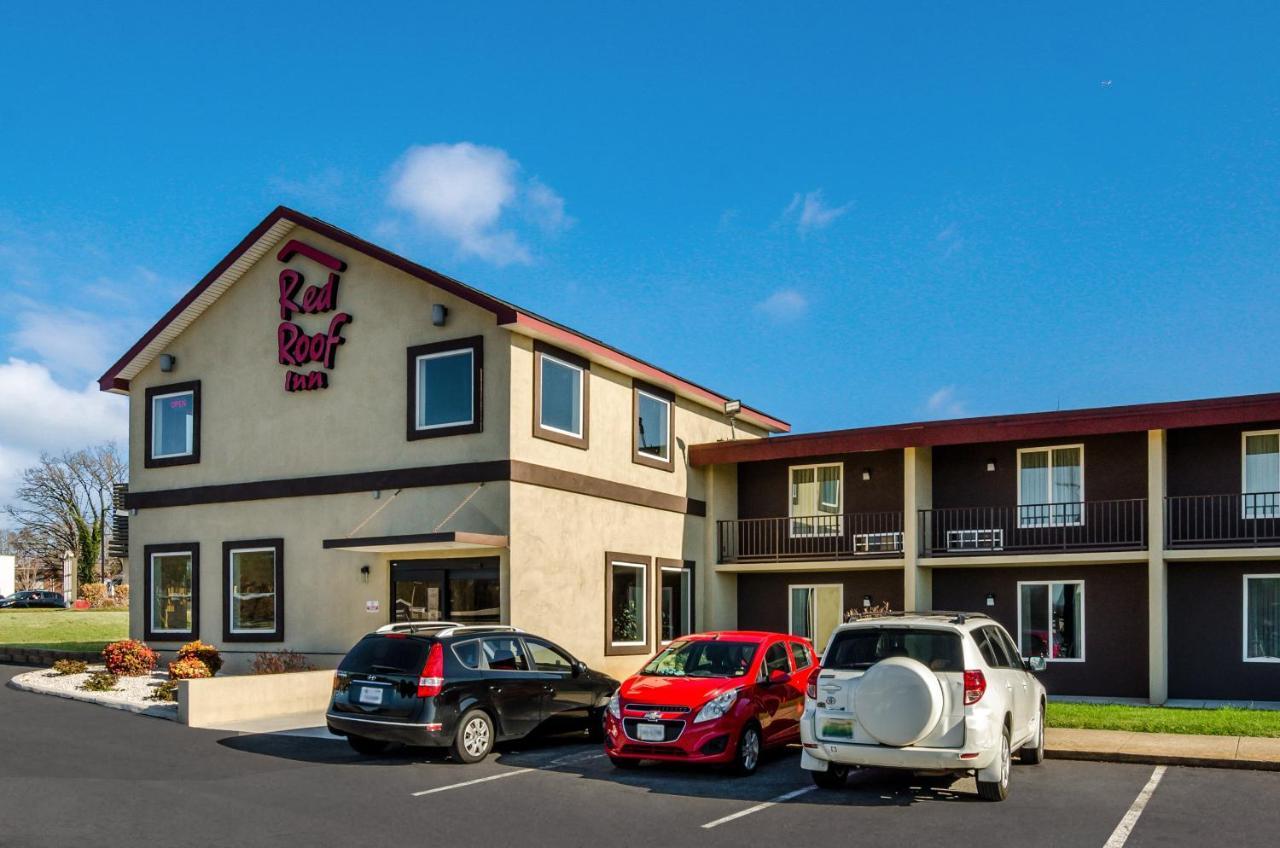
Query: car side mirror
x=1035, y=664
x=778, y=676
x=579, y=668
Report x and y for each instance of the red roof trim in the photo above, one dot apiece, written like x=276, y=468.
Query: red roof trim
x=1000, y=428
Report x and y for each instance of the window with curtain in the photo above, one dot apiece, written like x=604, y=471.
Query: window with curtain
x=1051, y=620
x=815, y=611
x=816, y=500
x=1051, y=486
x=1261, y=475
x=1262, y=618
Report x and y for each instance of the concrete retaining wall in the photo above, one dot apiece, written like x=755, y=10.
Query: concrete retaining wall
x=217, y=701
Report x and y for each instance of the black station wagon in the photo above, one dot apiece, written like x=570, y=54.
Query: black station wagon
x=462, y=687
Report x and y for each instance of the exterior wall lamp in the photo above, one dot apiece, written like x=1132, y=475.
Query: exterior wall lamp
x=866, y=474
x=991, y=465
x=991, y=599
x=439, y=314
x=866, y=601
x=168, y=362
x=364, y=574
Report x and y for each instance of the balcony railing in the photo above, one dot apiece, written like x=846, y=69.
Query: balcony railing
x=1222, y=521
x=1078, y=526
x=855, y=535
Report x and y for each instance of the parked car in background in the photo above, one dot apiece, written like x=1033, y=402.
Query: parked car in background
x=440, y=684
x=34, y=599
x=712, y=698
x=923, y=691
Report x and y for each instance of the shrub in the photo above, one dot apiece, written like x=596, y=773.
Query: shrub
x=280, y=662
x=188, y=668
x=166, y=691
x=100, y=681
x=204, y=652
x=65, y=667
x=129, y=658
x=122, y=596
x=96, y=595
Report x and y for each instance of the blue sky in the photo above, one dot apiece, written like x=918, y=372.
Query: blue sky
x=846, y=214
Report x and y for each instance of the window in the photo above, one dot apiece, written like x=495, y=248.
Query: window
x=675, y=600
x=1261, y=471
x=446, y=388
x=814, y=611
x=172, y=589
x=703, y=658
x=503, y=654
x=1051, y=486
x=253, y=572
x=775, y=659
x=654, y=412
x=815, y=500
x=172, y=424
x=547, y=658
x=560, y=396
x=863, y=647
x=1262, y=618
x=468, y=653
x=627, y=599
x=1051, y=620
x=996, y=649
x=801, y=656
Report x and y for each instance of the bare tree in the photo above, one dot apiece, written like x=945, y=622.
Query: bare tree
x=64, y=504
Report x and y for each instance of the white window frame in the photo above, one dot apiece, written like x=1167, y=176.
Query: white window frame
x=1244, y=620
x=686, y=600
x=642, y=615
x=470, y=353
x=155, y=596
x=819, y=650
x=157, y=426
x=837, y=526
x=1049, y=449
x=1050, y=584
x=666, y=456
x=542, y=401
x=231, y=593
x=1272, y=511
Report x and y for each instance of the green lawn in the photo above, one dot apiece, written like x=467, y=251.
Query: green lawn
x=1227, y=721
x=63, y=630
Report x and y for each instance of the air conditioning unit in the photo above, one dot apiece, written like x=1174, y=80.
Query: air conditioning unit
x=877, y=543
x=985, y=539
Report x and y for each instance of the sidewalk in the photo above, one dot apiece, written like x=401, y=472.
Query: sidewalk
x=1122, y=746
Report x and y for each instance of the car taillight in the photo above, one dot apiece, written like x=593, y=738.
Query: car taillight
x=432, y=679
x=811, y=688
x=975, y=686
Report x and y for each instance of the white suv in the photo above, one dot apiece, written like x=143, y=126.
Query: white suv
x=923, y=692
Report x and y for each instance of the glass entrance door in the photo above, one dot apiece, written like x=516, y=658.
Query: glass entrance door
x=419, y=597
x=467, y=591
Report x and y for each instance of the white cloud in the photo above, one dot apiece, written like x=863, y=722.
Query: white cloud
x=464, y=192
x=784, y=305
x=945, y=403
x=812, y=212
x=69, y=342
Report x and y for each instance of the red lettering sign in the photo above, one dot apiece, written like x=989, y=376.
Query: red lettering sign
x=294, y=345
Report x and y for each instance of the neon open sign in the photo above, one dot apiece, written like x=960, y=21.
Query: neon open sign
x=295, y=346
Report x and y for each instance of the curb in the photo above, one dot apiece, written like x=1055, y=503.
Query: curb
x=1161, y=759
x=169, y=712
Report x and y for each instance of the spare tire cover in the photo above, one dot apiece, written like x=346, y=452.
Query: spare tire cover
x=898, y=701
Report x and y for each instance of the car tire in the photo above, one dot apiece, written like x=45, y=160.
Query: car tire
x=1032, y=753
x=746, y=756
x=833, y=778
x=474, y=739
x=367, y=747
x=624, y=763
x=998, y=790
x=595, y=726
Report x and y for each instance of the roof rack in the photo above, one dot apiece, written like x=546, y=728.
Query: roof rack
x=414, y=626
x=956, y=616
x=458, y=628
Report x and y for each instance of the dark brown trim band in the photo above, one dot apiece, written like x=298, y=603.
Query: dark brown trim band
x=568, y=481
x=458, y=536
x=151, y=393
x=476, y=345
x=668, y=464
x=541, y=349
x=643, y=616
x=275, y=635
x=192, y=549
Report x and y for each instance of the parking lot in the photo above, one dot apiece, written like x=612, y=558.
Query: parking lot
x=72, y=771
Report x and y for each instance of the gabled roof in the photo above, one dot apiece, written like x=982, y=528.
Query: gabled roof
x=282, y=220
x=1243, y=409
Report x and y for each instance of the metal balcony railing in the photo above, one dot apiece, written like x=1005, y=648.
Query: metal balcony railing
x=1075, y=526
x=1222, y=521
x=832, y=536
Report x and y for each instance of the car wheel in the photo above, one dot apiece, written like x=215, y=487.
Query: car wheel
x=833, y=778
x=998, y=790
x=625, y=763
x=595, y=726
x=1032, y=753
x=474, y=739
x=367, y=747
x=747, y=756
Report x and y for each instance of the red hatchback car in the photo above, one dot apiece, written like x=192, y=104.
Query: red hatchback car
x=712, y=698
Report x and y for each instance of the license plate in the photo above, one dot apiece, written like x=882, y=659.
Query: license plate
x=370, y=695
x=838, y=728
x=650, y=732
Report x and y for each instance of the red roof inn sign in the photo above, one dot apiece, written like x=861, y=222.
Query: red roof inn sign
x=295, y=346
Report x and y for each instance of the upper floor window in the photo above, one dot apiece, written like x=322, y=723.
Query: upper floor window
x=173, y=424
x=816, y=499
x=560, y=396
x=654, y=413
x=1261, y=470
x=1262, y=618
x=446, y=388
x=1051, y=486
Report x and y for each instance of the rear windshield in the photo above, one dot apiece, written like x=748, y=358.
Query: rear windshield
x=862, y=648
x=386, y=655
x=703, y=658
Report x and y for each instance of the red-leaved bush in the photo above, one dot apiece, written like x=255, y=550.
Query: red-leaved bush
x=129, y=658
x=204, y=652
x=188, y=668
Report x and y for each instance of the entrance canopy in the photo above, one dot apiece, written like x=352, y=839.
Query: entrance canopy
x=451, y=540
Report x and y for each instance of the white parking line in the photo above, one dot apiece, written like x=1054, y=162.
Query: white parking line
x=553, y=764
x=1120, y=835
x=758, y=807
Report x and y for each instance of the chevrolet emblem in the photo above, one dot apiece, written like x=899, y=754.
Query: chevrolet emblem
x=652, y=715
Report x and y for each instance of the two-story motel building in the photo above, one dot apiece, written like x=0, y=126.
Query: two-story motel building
x=325, y=437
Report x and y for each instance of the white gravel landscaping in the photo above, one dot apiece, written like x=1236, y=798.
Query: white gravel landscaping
x=130, y=692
